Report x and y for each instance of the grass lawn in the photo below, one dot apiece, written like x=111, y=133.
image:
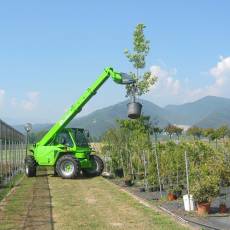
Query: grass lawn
x=48, y=202
x=97, y=204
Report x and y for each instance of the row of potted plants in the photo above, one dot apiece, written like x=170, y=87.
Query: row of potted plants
x=203, y=199
x=203, y=195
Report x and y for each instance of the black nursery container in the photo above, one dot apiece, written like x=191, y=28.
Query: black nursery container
x=134, y=110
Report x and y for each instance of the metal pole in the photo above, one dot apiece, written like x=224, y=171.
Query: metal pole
x=158, y=168
x=21, y=156
x=145, y=171
x=27, y=142
x=10, y=159
x=187, y=177
x=6, y=161
x=1, y=162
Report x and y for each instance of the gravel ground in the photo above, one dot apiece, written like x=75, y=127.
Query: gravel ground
x=212, y=221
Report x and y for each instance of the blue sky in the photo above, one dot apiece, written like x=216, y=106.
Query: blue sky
x=51, y=51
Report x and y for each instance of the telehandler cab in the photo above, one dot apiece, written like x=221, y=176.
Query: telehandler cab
x=67, y=149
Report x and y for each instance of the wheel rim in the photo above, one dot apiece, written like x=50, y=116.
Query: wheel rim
x=95, y=166
x=67, y=168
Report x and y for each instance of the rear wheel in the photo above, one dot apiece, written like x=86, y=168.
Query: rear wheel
x=68, y=167
x=97, y=167
x=55, y=172
x=30, y=166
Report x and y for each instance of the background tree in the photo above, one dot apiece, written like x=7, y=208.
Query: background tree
x=223, y=131
x=208, y=132
x=178, y=131
x=141, y=48
x=195, y=131
x=156, y=131
x=170, y=130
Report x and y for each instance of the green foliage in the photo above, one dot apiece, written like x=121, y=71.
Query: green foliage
x=222, y=131
x=127, y=144
x=172, y=129
x=141, y=48
x=206, y=189
x=208, y=166
x=208, y=132
x=195, y=131
x=205, y=172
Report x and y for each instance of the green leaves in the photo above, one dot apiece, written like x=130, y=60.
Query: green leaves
x=141, y=48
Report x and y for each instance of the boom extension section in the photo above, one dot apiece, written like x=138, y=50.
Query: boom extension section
x=120, y=78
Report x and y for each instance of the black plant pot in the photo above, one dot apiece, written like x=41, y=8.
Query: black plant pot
x=128, y=182
x=134, y=110
x=142, y=189
x=155, y=188
x=178, y=194
x=119, y=173
x=151, y=189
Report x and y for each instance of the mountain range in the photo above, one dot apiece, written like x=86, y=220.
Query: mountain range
x=209, y=111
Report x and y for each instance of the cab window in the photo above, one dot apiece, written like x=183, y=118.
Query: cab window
x=64, y=139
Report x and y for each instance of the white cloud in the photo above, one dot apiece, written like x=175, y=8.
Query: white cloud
x=221, y=75
x=2, y=95
x=169, y=89
x=166, y=80
x=167, y=86
x=27, y=104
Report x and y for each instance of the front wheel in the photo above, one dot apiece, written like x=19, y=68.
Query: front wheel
x=68, y=167
x=97, y=167
x=30, y=166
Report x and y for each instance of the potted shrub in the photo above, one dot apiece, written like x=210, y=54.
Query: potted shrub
x=171, y=196
x=205, y=176
x=223, y=208
x=177, y=191
x=204, y=191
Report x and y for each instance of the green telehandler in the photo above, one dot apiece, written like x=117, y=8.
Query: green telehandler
x=67, y=149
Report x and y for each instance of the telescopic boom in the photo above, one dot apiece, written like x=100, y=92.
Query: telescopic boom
x=120, y=78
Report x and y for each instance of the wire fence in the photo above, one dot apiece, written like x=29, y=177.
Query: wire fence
x=12, y=152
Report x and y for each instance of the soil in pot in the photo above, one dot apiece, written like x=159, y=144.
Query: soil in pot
x=171, y=196
x=203, y=209
x=223, y=208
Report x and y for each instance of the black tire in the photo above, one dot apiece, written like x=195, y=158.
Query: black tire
x=55, y=172
x=30, y=166
x=97, y=169
x=68, y=167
